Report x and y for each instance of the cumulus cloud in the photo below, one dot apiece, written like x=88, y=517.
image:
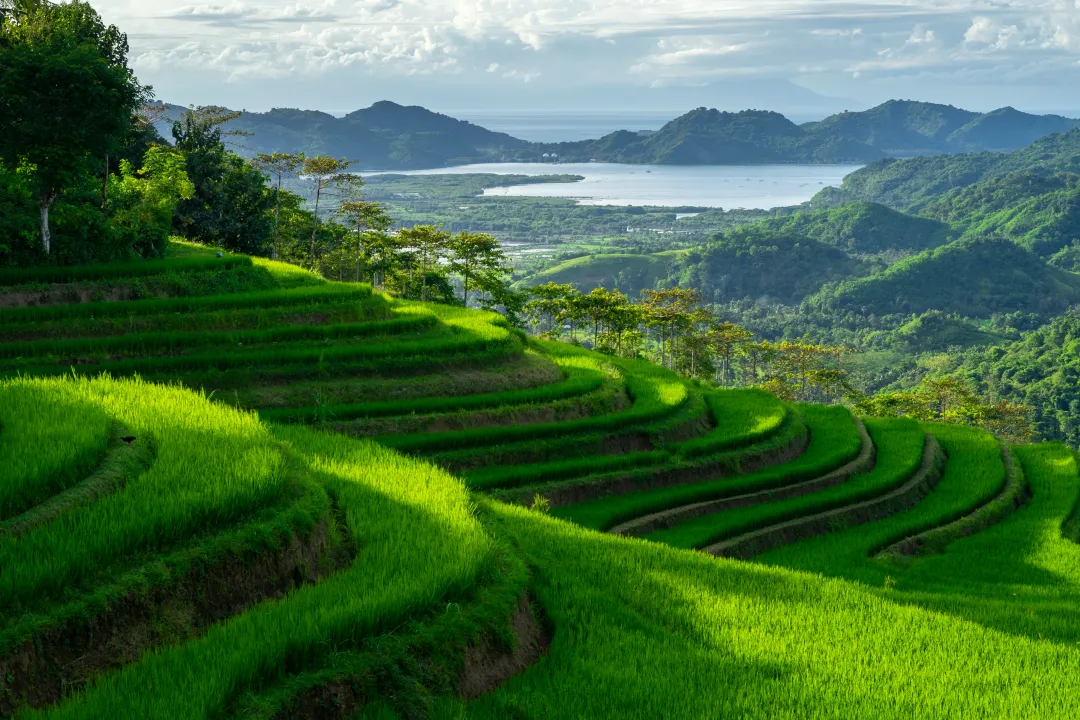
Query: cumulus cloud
x=643, y=42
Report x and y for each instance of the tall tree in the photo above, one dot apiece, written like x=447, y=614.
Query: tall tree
x=278, y=166
x=370, y=221
x=327, y=174
x=429, y=244
x=66, y=94
x=480, y=262
x=231, y=206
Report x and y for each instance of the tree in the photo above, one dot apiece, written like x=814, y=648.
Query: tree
x=479, y=260
x=230, y=206
x=370, y=221
x=278, y=165
x=726, y=340
x=551, y=306
x=326, y=173
x=146, y=199
x=66, y=94
x=430, y=244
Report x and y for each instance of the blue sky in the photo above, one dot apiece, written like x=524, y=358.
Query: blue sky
x=802, y=57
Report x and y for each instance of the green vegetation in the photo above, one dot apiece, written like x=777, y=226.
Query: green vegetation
x=861, y=228
x=620, y=271
x=973, y=277
x=402, y=567
x=48, y=442
x=899, y=446
x=192, y=527
x=833, y=442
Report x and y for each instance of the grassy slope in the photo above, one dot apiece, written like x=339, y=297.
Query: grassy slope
x=640, y=630
x=592, y=271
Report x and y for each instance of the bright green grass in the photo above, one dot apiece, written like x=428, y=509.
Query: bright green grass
x=49, y=440
x=418, y=540
x=581, y=377
x=262, y=318
x=656, y=393
x=899, y=444
x=213, y=466
x=742, y=417
x=1020, y=576
x=161, y=306
x=834, y=441
x=530, y=370
x=118, y=270
x=973, y=475
x=158, y=342
x=312, y=365
x=510, y=476
x=648, y=631
x=458, y=333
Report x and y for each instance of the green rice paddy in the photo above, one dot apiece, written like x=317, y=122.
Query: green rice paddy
x=200, y=539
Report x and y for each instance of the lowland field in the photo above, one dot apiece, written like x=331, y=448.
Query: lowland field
x=233, y=489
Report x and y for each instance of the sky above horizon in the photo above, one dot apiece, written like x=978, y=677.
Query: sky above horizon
x=800, y=57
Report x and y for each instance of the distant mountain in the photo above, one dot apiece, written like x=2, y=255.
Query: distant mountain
x=385, y=136
x=898, y=127
x=903, y=128
x=388, y=136
x=711, y=137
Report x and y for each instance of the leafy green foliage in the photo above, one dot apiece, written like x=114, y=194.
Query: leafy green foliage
x=754, y=263
x=230, y=206
x=862, y=228
x=49, y=48
x=975, y=277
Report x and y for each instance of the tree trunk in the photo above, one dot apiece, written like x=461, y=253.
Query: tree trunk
x=315, y=223
x=277, y=216
x=358, y=256
x=423, y=280
x=46, y=234
x=105, y=187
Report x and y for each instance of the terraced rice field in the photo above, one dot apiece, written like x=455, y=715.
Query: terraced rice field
x=230, y=489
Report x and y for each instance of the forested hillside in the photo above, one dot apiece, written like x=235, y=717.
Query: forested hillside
x=975, y=277
x=764, y=267
x=901, y=128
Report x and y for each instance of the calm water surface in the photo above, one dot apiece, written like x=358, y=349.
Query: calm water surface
x=724, y=186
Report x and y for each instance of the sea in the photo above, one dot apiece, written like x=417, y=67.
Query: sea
x=729, y=187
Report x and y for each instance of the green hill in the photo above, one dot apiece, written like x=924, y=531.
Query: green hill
x=974, y=277
x=913, y=184
x=236, y=489
x=863, y=228
x=748, y=263
x=898, y=127
x=934, y=331
x=621, y=271
x=901, y=128
x=1007, y=129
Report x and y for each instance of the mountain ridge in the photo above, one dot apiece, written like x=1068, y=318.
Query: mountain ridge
x=389, y=136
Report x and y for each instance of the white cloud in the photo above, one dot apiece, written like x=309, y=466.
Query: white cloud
x=641, y=42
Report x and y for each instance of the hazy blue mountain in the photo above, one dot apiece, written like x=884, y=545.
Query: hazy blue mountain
x=388, y=136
